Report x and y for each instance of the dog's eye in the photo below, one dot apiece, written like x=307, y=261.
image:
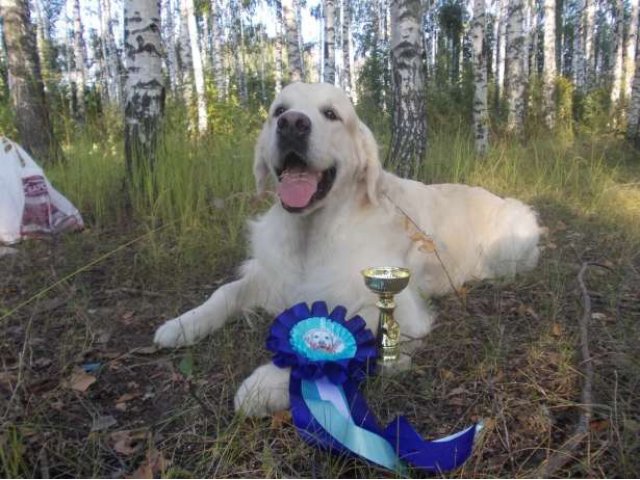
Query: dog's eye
x=330, y=114
x=279, y=111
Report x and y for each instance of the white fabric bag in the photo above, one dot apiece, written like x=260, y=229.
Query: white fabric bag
x=29, y=205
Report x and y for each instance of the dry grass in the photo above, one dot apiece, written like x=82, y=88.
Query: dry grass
x=508, y=355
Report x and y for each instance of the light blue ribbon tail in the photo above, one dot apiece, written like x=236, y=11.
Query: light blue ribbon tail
x=328, y=405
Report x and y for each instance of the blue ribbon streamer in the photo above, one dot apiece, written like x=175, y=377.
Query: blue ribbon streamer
x=326, y=404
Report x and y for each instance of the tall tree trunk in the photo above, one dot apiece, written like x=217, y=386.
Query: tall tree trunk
x=480, y=110
x=633, y=120
x=238, y=35
x=630, y=48
x=144, y=87
x=25, y=83
x=501, y=48
x=616, y=87
x=217, y=41
x=110, y=53
x=549, y=71
x=329, y=10
x=44, y=43
x=409, y=132
x=515, y=78
x=294, y=55
x=346, y=49
x=578, y=58
x=185, y=62
x=196, y=62
x=80, y=55
x=590, y=48
x=169, y=41
x=278, y=45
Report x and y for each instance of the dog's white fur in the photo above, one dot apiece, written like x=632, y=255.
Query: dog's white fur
x=318, y=254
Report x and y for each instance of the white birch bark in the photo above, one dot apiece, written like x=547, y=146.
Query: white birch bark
x=169, y=41
x=80, y=55
x=480, y=108
x=501, y=48
x=515, y=58
x=43, y=42
x=578, y=59
x=347, y=60
x=185, y=62
x=110, y=54
x=217, y=41
x=549, y=69
x=238, y=36
x=409, y=133
x=616, y=87
x=633, y=119
x=278, y=44
x=590, y=44
x=630, y=49
x=196, y=62
x=144, y=86
x=294, y=55
x=329, y=10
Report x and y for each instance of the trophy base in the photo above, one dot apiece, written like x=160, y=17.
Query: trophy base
x=402, y=364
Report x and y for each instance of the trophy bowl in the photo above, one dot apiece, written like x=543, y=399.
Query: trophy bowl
x=386, y=280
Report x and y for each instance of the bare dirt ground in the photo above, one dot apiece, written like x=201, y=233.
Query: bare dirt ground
x=83, y=392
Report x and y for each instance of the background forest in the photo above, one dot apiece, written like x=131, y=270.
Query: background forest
x=144, y=113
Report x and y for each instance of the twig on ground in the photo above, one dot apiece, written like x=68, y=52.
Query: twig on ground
x=566, y=451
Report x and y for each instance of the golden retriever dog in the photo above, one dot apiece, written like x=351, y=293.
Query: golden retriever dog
x=338, y=212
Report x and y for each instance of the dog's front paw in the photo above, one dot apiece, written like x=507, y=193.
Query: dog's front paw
x=174, y=333
x=264, y=392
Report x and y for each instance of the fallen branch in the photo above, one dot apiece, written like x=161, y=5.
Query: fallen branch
x=565, y=453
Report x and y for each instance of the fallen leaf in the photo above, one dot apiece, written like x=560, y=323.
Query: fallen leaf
x=556, y=330
x=103, y=422
x=446, y=374
x=126, y=442
x=186, y=365
x=145, y=350
x=153, y=465
x=127, y=397
x=280, y=419
x=80, y=380
x=457, y=391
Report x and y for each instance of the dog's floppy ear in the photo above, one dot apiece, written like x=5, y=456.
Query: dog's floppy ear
x=260, y=168
x=369, y=161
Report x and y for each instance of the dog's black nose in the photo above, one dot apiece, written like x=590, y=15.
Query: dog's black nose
x=294, y=125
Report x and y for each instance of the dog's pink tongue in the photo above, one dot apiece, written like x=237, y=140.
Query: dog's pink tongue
x=296, y=188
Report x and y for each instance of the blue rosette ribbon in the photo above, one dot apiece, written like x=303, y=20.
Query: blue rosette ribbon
x=329, y=357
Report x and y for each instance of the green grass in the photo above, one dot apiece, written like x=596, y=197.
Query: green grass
x=509, y=355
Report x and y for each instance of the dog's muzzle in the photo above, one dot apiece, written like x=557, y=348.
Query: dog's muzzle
x=293, y=130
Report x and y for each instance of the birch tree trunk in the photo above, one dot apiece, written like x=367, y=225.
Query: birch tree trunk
x=168, y=34
x=578, y=59
x=44, y=44
x=110, y=53
x=144, y=86
x=409, y=131
x=549, y=71
x=633, y=119
x=515, y=58
x=501, y=48
x=480, y=110
x=278, y=45
x=217, y=41
x=26, y=88
x=196, y=62
x=238, y=36
x=294, y=55
x=80, y=55
x=346, y=49
x=616, y=87
x=185, y=62
x=590, y=44
x=630, y=48
x=329, y=75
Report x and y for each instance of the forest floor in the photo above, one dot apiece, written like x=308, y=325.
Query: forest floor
x=83, y=393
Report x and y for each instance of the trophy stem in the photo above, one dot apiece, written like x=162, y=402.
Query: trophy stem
x=388, y=329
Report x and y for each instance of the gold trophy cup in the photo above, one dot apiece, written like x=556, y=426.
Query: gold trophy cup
x=387, y=282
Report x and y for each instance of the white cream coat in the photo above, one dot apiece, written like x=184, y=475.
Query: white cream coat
x=318, y=254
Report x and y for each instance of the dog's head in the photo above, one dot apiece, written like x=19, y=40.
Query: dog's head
x=316, y=149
